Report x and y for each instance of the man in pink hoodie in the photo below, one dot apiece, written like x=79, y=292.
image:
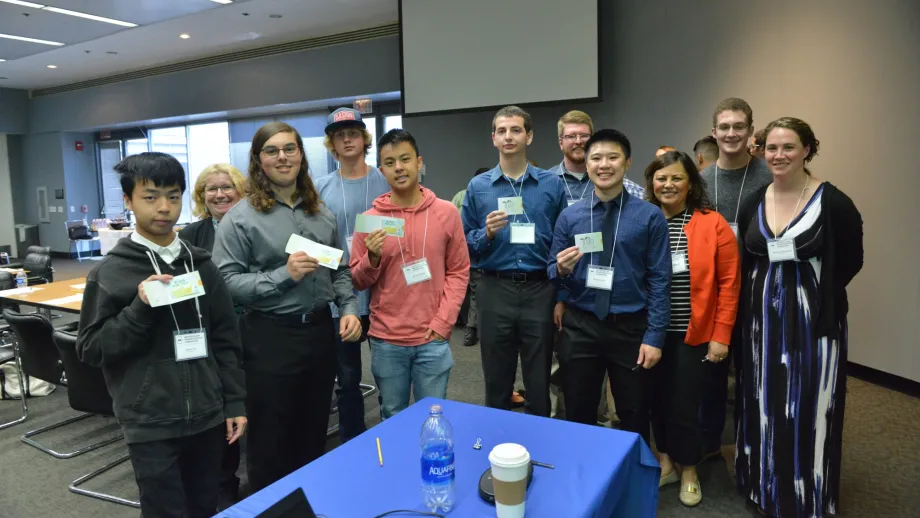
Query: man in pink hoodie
x=419, y=280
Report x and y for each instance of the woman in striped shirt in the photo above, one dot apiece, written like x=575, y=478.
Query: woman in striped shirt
x=705, y=284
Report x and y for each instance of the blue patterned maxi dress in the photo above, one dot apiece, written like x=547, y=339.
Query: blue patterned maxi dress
x=790, y=389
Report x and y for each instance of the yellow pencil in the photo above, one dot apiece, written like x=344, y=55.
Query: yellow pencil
x=379, y=453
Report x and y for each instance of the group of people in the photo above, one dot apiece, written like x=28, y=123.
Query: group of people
x=652, y=286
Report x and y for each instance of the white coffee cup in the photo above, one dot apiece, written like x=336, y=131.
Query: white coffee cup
x=510, y=464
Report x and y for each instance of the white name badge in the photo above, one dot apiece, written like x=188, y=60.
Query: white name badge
x=782, y=249
x=600, y=277
x=523, y=233
x=679, y=262
x=734, y=227
x=511, y=206
x=190, y=345
x=416, y=272
x=572, y=202
x=589, y=242
x=181, y=287
x=348, y=241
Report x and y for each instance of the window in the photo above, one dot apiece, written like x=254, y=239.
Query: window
x=207, y=144
x=195, y=147
x=392, y=122
x=372, y=129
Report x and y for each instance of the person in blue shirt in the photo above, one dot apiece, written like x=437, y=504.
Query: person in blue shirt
x=347, y=192
x=508, y=216
x=611, y=255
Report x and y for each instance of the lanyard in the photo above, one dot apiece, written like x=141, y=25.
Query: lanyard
x=521, y=195
x=367, y=183
x=615, y=232
x=156, y=268
x=424, y=239
x=683, y=223
x=569, y=189
x=740, y=192
x=794, y=211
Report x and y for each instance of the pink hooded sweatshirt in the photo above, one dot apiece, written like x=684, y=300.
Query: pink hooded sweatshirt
x=401, y=314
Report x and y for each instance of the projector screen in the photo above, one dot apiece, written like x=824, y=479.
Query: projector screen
x=468, y=54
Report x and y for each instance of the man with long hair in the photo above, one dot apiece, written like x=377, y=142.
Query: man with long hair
x=287, y=329
x=347, y=192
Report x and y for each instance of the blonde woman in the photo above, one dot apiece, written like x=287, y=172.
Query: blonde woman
x=217, y=190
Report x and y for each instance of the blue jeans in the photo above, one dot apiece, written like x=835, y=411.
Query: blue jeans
x=423, y=368
x=348, y=393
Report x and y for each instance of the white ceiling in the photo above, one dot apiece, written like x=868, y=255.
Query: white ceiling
x=213, y=29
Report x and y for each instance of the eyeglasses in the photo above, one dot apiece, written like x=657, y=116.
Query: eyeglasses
x=226, y=189
x=574, y=137
x=272, y=152
x=738, y=127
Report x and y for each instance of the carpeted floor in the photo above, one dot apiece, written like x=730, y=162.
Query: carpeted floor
x=881, y=452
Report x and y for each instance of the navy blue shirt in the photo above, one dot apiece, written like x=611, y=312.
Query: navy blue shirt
x=544, y=199
x=641, y=260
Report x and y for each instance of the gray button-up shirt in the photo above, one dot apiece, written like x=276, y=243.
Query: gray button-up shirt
x=249, y=252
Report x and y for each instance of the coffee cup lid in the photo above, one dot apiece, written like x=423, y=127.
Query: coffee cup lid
x=508, y=455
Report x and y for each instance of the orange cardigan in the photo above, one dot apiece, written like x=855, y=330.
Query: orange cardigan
x=715, y=278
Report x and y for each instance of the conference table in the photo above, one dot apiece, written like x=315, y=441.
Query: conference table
x=598, y=472
x=65, y=296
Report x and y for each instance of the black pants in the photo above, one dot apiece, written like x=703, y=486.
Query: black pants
x=591, y=347
x=714, y=400
x=679, y=378
x=348, y=372
x=179, y=478
x=516, y=318
x=290, y=373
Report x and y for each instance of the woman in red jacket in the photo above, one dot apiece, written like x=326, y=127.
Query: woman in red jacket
x=705, y=283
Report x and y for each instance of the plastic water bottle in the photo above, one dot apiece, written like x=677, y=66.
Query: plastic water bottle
x=437, y=442
x=21, y=279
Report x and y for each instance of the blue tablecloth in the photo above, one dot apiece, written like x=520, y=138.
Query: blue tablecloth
x=599, y=472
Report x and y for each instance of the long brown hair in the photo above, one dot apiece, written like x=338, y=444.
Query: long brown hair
x=261, y=195
x=697, y=198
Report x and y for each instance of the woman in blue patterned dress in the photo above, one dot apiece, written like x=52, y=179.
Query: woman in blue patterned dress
x=802, y=244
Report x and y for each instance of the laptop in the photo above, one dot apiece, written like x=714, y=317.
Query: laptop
x=294, y=505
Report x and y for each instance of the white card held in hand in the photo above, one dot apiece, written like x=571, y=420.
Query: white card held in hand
x=326, y=255
x=181, y=287
x=589, y=242
x=368, y=223
x=511, y=206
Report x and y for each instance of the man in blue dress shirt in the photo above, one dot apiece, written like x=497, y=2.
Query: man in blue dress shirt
x=610, y=251
x=508, y=217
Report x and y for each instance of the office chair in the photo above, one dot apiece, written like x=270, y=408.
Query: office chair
x=87, y=392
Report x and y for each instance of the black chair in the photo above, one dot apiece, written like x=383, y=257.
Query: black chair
x=87, y=392
x=41, y=359
x=9, y=351
x=38, y=266
x=78, y=231
x=367, y=391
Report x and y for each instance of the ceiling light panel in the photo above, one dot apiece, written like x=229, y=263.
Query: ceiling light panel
x=24, y=4
x=31, y=40
x=225, y=2
x=93, y=17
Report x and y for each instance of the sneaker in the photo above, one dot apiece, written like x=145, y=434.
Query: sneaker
x=691, y=495
x=471, y=338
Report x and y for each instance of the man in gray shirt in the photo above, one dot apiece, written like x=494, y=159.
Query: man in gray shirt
x=289, y=342
x=734, y=176
x=349, y=191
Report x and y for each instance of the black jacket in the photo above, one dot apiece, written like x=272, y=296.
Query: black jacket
x=841, y=254
x=155, y=397
x=200, y=233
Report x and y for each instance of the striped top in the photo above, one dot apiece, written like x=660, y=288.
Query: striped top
x=680, y=282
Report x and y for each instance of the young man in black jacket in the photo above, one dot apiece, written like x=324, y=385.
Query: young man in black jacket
x=174, y=370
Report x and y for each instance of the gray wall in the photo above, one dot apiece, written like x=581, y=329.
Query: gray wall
x=80, y=175
x=286, y=78
x=849, y=68
x=14, y=111
x=17, y=177
x=42, y=166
